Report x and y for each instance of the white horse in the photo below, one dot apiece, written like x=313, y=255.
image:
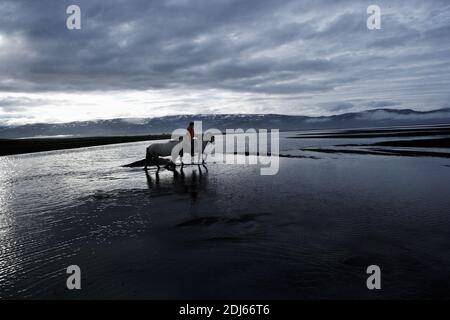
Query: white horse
x=164, y=149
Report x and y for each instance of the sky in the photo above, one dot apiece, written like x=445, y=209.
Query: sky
x=141, y=58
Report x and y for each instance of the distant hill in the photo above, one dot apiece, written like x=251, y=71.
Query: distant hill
x=118, y=127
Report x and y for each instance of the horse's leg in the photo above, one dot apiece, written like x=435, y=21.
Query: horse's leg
x=146, y=159
x=149, y=179
x=174, y=168
x=204, y=157
x=181, y=157
x=170, y=166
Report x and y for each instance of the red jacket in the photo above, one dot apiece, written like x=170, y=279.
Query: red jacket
x=191, y=132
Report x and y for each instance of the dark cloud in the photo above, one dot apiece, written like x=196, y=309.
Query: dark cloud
x=343, y=106
x=357, y=105
x=268, y=47
x=17, y=104
x=382, y=104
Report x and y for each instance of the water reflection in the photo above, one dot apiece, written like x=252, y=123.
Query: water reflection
x=191, y=181
x=302, y=233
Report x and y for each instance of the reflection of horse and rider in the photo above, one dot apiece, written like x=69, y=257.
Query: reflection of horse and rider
x=157, y=150
x=190, y=183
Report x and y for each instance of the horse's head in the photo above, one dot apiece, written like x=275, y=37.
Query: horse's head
x=207, y=138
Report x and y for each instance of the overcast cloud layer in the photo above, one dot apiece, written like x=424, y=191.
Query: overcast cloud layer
x=136, y=58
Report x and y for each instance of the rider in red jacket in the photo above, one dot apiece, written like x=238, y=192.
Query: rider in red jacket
x=190, y=129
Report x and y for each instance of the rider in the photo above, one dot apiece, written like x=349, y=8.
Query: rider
x=191, y=132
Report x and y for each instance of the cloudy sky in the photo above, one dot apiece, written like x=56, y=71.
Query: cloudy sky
x=139, y=58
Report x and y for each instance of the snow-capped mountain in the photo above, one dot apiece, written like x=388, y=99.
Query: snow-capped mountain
x=138, y=126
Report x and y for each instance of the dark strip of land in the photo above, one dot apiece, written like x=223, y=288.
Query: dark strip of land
x=162, y=161
x=19, y=146
x=417, y=143
x=414, y=143
x=376, y=133
x=383, y=152
x=376, y=148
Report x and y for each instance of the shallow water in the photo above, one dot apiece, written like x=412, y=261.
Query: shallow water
x=308, y=232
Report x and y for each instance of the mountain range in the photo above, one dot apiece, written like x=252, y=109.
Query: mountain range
x=138, y=126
